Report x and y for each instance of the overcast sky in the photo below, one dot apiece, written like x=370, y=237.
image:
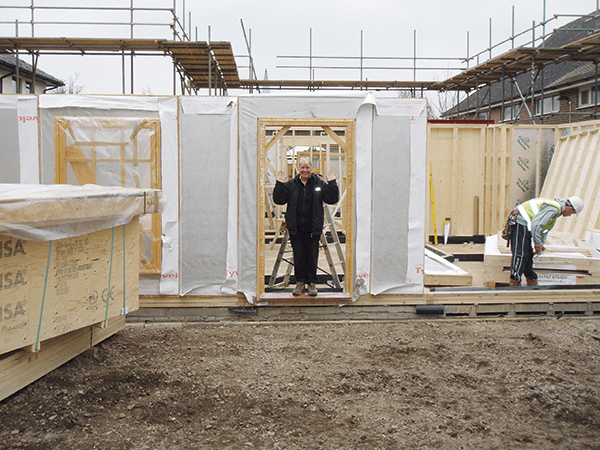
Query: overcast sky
x=284, y=28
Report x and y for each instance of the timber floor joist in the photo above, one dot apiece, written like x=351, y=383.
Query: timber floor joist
x=588, y=308
x=440, y=303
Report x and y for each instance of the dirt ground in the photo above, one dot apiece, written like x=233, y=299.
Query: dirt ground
x=415, y=384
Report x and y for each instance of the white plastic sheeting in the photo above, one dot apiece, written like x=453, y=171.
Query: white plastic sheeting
x=58, y=211
x=19, y=139
x=163, y=107
x=209, y=173
x=209, y=160
x=395, y=191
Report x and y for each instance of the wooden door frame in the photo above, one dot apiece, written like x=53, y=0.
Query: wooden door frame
x=348, y=145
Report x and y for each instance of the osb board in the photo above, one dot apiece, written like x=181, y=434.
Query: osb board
x=20, y=368
x=43, y=206
x=51, y=288
x=574, y=171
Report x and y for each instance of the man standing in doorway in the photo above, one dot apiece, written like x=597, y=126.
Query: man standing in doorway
x=304, y=195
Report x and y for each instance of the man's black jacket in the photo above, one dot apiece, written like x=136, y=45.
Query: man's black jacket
x=288, y=192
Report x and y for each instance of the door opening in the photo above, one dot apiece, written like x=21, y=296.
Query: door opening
x=329, y=144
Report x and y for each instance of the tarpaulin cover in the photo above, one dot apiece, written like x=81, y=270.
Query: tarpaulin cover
x=50, y=212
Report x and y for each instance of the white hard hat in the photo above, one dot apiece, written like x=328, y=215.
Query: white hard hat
x=576, y=203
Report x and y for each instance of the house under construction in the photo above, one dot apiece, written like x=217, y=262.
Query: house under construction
x=202, y=170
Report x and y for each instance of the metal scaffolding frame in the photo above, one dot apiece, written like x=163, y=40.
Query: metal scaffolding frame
x=212, y=65
x=209, y=65
x=522, y=60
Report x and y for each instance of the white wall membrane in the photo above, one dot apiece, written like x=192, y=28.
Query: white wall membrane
x=399, y=176
x=363, y=178
x=11, y=166
x=208, y=219
x=163, y=107
x=210, y=159
x=28, y=140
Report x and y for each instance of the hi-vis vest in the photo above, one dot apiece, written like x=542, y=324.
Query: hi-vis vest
x=531, y=207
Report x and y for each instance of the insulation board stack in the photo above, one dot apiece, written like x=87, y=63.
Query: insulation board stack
x=566, y=261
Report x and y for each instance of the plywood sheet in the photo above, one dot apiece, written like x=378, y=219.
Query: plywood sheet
x=51, y=288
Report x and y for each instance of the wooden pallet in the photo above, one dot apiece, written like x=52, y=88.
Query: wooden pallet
x=22, y=367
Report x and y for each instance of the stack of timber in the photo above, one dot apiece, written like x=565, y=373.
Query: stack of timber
x=60, y=296
x=566, y=261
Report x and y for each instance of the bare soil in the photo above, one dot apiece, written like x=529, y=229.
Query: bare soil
x=436, y=384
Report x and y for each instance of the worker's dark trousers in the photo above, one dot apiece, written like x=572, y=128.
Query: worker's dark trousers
x=306, y=255
x=522, y=253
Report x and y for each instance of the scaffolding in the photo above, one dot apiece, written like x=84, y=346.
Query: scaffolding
x=528, y=58
x=208, y=65
x=212, y=65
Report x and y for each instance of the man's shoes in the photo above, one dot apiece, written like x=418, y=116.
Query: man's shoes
x=531, y=281
x=299, y=289
x=514, y=283
x=312, y=290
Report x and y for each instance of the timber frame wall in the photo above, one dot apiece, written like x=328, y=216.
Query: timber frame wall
x=481, y=171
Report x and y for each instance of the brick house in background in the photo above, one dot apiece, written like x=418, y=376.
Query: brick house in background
x=8, y=78
x=563, y=92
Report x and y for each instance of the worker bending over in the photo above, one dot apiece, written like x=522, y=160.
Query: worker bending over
x=534, y=219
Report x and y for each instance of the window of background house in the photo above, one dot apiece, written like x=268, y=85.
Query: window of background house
x=586, y=96
x=511, y=112
x=483, y=115
x=548, y=105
